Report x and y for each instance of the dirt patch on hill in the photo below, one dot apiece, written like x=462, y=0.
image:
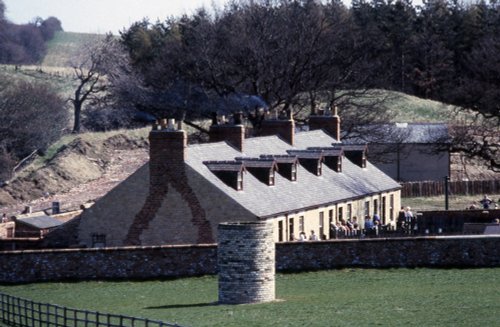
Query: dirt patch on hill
x=81, y=171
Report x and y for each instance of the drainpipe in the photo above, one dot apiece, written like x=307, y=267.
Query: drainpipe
x=446, y=192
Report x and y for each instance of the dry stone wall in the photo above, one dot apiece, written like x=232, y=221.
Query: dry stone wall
x=152, y=262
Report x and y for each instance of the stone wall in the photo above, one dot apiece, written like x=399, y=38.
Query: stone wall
x=183, y=261
x=108, y=263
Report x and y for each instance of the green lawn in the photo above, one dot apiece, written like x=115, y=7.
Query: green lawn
x=349, y=297
x=456, y=202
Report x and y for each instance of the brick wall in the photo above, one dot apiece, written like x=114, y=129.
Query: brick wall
x=283, y=128
x=181, y=261
x=330, y=124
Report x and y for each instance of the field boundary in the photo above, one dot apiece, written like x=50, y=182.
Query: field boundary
x=15, y=311
x=178, y=261
x=436, y=188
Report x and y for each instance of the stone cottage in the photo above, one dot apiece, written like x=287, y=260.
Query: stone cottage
x=300, y=181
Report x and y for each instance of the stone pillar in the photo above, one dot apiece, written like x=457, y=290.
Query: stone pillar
x=246, y=260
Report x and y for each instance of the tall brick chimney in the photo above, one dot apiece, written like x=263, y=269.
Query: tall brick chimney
x=285, y=128
x=326, y=122
x=233, y=133
x=167, y=149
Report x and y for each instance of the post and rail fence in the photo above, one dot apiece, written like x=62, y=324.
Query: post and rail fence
x=436, y=188
x=15, y=311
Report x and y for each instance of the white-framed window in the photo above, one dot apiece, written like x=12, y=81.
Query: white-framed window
x=239, y=181
x=301, y=224
x=293, y=176
x=271, y=177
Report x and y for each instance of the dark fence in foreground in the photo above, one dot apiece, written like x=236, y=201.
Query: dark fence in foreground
x=435, y=188
x=16, y=311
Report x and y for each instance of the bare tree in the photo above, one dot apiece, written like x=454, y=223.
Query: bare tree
x=100, y=64
x=292, y=55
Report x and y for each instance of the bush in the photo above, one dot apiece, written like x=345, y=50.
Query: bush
x=32, y=116
x=103, y=118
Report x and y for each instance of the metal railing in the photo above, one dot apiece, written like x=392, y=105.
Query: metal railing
x=16, y=311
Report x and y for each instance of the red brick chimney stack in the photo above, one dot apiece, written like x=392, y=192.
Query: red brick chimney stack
x=330, y=124
x=233, y=133
x=167, y=149
x=285, y=128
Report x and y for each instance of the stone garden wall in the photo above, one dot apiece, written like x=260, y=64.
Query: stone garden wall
x=152, y=262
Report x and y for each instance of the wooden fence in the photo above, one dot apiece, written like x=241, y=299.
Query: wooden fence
x=434, y=188
x=16, y=311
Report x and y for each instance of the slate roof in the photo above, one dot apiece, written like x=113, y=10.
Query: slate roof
x=416, y=133
x=257, y=162
x=224, y=165
x=40, y=222
x=286, y=196
x=281, y=158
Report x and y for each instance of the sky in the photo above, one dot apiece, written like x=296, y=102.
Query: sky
x=101, y=16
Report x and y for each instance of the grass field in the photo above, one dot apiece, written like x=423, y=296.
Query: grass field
x=456, y=202
x=349, y=297
x=65, y=46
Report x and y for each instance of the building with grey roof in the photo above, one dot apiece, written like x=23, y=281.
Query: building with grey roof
x=299, y=181
x=409, y=151
x=35, y=225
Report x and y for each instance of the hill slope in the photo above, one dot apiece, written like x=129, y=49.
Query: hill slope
x=78, y=169
x=65, y=46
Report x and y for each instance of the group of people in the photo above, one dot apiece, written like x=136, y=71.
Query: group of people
x=351, y=227
x=407, y=221
x=345, y=227
x=303, y=237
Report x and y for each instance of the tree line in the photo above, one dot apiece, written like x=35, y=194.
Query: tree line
x=296, y=55
x=291, y=51
x=25, y=43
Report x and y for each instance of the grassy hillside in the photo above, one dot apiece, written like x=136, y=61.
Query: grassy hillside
x=408, y=108
x=55, y=68
x=64, y=46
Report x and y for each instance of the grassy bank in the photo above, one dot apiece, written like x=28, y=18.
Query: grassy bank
x=350, y=297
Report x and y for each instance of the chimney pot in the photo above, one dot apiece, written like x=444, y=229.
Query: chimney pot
x=171, y=124
x=238, y=118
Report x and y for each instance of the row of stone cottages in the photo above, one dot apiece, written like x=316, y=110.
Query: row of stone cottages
x=300, y=181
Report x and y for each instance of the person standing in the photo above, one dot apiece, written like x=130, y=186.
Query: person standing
x=313, y=236
x=486, y=202
x=409, y=220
